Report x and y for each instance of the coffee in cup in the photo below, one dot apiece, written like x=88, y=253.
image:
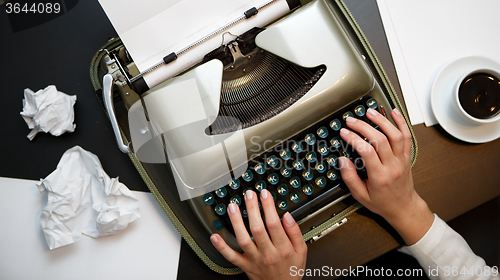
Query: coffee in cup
x=477, y=95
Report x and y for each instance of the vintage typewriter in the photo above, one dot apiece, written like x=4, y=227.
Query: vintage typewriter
x=287, y=89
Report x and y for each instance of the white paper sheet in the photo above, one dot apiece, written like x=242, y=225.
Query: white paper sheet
x=425, y=35
x=82, y=198
x=153, y=29
x=48, y=110
x=147, y=249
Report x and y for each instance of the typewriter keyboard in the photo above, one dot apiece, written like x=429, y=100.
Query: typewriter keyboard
x=301, y=173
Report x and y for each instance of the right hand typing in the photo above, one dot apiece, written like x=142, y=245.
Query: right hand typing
x=389, y=190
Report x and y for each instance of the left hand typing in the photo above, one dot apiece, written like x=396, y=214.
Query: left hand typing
x=272, y=255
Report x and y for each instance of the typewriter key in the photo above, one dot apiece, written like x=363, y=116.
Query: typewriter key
x=282, y=204
x=335, y=142
x=320, y=167
x=235, y=199
x=335, y=125
x=221, y=192
x=323, y=149
x=307, y=189
x=285, y=154
x=282, y=189
x=322, y=132
x=311, y=156
x=218, y=224
x=273, y=179
x=295, y=182
x=245, y=191
x=360, y=110
x=320, y=182
x=372, y=103
x=310, y=139
x=332, y=175
x=346, y=115
x=286, y=171
x=307, y=174
x=345, y=153
x=220, y=209
x=260, y=168
x=208, y=199
x=298, y=165
x=272, y=161
x=260, y=185
x=234, y=184
x=295, y=197
x=332, y=160
x=297, y=147
x=247, y=176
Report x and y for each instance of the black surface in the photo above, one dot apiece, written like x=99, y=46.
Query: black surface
x=27, y=14
x=292, y=4
x=59, y=52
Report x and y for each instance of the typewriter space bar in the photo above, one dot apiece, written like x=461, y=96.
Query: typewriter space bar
x=320, y=203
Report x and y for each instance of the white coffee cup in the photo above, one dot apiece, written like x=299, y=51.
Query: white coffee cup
x=479, y=99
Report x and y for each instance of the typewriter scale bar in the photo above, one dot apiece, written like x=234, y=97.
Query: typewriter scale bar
x=302, y=173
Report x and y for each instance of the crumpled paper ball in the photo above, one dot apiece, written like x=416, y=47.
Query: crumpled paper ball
x=48, y=110
x=82, y=198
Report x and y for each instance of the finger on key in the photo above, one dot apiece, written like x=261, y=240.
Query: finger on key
x=273, y=223
x=353, y=181
x=240, y=230
x=364, y=149
x=393, y=134
x=255, y=220
x=376, y=138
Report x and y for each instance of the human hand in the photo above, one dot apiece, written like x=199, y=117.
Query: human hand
x=388, y=190
x=272, y=255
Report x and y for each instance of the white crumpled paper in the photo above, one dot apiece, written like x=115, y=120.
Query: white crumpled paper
x=83, y=199
x=48, y=110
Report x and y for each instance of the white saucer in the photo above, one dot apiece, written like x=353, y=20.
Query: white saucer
x=442, y=102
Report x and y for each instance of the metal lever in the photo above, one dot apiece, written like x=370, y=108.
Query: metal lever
x=328, y=230
x=107, y=94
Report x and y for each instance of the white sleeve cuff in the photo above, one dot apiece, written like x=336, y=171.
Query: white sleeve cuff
x=442, y=251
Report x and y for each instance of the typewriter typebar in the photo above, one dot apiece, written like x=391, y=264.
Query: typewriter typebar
x=291, y=85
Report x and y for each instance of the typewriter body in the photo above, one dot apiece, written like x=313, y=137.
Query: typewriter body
x=288, y=87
